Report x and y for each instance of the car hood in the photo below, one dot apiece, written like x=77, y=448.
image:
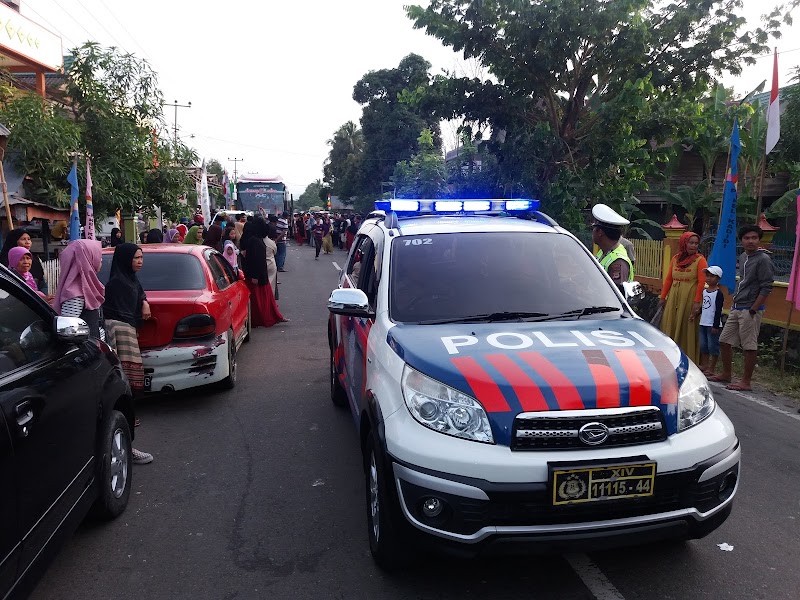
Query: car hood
x=568, y=365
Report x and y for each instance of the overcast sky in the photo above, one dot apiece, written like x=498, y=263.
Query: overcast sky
x=271, y=81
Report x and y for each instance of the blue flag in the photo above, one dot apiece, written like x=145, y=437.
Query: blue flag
x=723, y=254
x=74, y=217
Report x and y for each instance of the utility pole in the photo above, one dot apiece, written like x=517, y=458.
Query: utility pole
x=235, y=161
x=175, y=127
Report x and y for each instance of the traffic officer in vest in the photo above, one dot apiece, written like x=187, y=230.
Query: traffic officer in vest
x=606, y=233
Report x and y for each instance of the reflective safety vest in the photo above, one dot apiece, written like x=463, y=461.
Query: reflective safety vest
x=617, y=253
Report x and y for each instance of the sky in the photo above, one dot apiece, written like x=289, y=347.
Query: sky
x=270, y=82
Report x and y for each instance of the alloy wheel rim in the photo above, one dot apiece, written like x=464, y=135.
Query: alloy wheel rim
x=118, y=479
x=374, y=502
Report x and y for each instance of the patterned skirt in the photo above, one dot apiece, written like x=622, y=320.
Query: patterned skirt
x=122, y=337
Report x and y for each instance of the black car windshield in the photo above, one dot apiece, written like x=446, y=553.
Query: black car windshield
x=164, y=271
x=450, y=276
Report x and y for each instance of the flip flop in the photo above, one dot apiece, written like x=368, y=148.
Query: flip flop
x=738, y=387
x=718, y=379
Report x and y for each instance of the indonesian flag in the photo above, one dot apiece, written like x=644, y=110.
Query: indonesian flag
x=774, y=110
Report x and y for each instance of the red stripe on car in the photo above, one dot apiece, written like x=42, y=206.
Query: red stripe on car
x=641, y=393
x=565, y=392
x=528, y=393
x=669, y=378
x=605, y=380
x=483, y=386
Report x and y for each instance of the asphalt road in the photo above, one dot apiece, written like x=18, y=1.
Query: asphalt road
x=258, y=493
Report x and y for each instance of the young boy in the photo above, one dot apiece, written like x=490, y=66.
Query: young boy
x=711, y=321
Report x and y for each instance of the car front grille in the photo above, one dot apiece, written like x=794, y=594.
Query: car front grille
x=563, y=431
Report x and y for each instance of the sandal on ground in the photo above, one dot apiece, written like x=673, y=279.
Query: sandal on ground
x=738, y=387
x=718, y=379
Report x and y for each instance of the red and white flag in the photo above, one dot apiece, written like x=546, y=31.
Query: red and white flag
x=774, y=110
x=89, y=229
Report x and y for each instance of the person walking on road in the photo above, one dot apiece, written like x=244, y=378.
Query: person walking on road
x=682, y=296
x=756, y=273
x=124, y=308
x=317, y=234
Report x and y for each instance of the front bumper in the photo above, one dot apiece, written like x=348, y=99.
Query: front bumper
x=179, y=366
x=480, y=515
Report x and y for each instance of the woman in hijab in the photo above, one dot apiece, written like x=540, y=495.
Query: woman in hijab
x=248, y=231
x=231, y=254
x=80, y=293
x=182, y=232
x=213, y=237
x=682, y=295
x=124, y=308
x=155, y=236
x=19, y=261
x=20, y=237
x=264, y=309
x=116, y=237
x=272, y=252
x=195, y=236
x=172, y=236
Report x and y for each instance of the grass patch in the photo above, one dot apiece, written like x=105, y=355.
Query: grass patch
x=768, y=375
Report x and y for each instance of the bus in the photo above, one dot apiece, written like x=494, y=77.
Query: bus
x=254, y=192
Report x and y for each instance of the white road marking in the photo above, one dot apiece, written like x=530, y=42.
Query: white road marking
x=335, y=264
x=593, y=578
x=791, y=415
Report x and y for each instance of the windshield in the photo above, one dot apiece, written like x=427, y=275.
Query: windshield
x=461, y=275
x=164, y=271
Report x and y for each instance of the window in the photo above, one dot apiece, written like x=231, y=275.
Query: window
x=362, y=247
x=24, y=336
x=217, y=270
x=454, y=275
x=164, y=271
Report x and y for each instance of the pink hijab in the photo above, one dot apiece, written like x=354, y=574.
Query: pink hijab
x=14, y=256
x=80, y=261
x=231, y=258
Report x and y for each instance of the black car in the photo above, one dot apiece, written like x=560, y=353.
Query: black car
x=66, y=423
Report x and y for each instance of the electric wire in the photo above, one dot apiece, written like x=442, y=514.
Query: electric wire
x=50, y=25
x=66, y=12
x=113, y=16
x=96, y=20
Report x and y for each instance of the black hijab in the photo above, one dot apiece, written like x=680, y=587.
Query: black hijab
x=155, y=236
x=12, y=240
x=124, y=293
x=116, y=241
x=255, y=259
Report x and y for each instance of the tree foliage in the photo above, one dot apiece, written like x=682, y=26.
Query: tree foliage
x=310, y=197
x=424, y=175
x=343, y=167
x=581, y=93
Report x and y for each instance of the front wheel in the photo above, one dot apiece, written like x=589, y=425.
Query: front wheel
x=114, y=467
x=338, y=394
x=386, y=526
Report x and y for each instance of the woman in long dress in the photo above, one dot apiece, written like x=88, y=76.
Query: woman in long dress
x=682, y=295
x=124, y=308
x=272, y=251
x=264, y=309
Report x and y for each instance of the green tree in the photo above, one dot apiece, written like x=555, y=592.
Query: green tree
x=424, y=176
x=392, y=118
x=310, y=197
x=342, y=169
x=584, y=92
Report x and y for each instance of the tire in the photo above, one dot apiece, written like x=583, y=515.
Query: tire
x=230, y=381
x=248, y=324
x=114, y=467
x=386, y=527
x=338, y=394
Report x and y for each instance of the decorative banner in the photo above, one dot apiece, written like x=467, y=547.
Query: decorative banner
x=774, y=110
x=89, y=231
x=793, y=293
x=205, y=200
x=723, y=254
x=74, y=217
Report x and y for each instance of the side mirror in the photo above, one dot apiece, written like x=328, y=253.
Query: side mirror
x=350, y=302
x=71, y=329
x=634, y=292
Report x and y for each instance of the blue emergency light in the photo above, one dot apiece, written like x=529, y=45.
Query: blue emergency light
x=449, y=207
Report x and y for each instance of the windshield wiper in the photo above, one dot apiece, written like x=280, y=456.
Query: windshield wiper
x=488, y=318
x=580, y=312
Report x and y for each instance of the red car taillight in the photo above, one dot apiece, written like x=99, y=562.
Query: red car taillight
x=195, y=326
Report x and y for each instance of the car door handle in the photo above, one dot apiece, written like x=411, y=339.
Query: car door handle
x=24, y=415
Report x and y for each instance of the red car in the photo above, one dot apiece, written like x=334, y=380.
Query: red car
x=201, y=316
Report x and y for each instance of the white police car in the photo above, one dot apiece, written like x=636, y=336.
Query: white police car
x=505, y=392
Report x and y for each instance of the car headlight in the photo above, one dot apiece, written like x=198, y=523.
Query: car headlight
x=695, y=401
x=444, y=409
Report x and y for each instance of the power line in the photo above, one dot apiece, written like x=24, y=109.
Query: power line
x=66, y=12
x=113, y=16
x=49, y=24
x=96, y=20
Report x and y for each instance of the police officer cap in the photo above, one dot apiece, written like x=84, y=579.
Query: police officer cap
x=607, y=217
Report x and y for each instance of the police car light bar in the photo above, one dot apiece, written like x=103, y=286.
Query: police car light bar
x=456, y=206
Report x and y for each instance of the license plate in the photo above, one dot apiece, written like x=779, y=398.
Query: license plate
x=608, y=482
x=148, y=382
